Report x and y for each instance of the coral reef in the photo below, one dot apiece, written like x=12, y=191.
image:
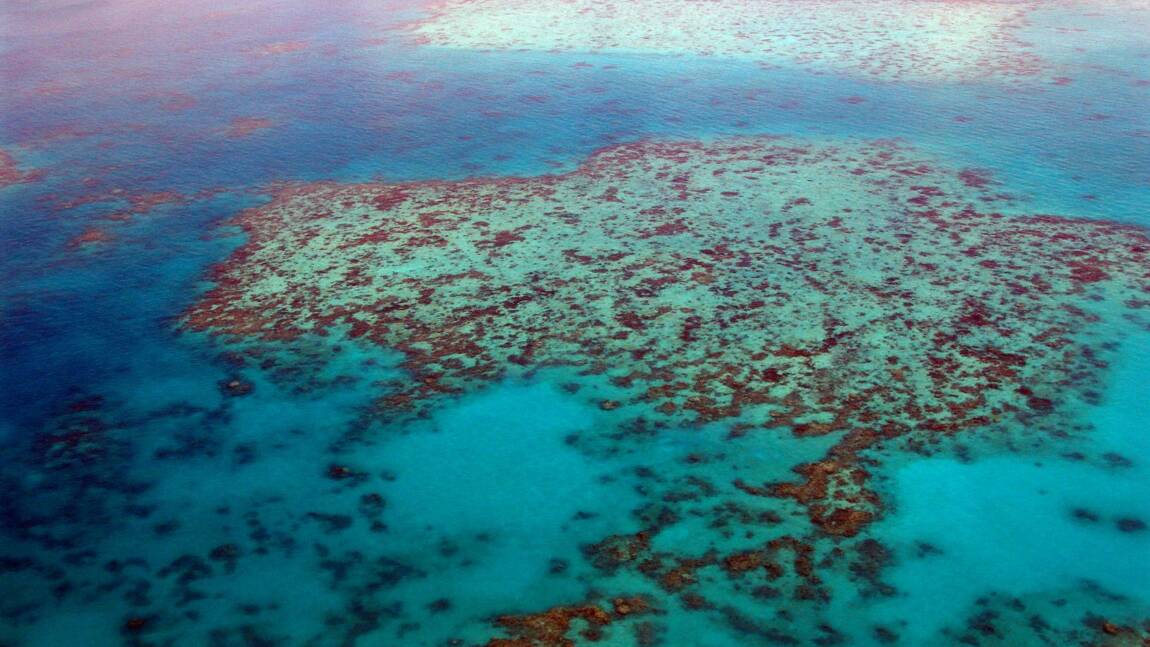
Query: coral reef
x=906, y=40
x=849, y=288
x=11, y=174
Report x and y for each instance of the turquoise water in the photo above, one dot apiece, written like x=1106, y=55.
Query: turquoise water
x=303, y=513
x=1027, y=526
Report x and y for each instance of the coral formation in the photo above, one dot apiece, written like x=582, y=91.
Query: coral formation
x=908, y=40
x=849, y=288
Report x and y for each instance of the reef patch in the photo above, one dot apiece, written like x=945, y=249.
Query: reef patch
x=856, y=294
x=905, y=40
x=851, y=288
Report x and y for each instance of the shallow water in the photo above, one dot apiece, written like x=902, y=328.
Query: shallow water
x=175, y=483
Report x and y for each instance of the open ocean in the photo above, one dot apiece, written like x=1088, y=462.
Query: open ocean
x=487, y=322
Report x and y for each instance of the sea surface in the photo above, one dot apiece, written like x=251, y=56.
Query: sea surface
x=171, y=475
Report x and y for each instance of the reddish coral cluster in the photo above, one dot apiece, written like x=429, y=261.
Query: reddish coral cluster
x=133, y=205
x=90, y=237
x=241, y=127
x=11, y=174
x=552, y=628
x=782, y=564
